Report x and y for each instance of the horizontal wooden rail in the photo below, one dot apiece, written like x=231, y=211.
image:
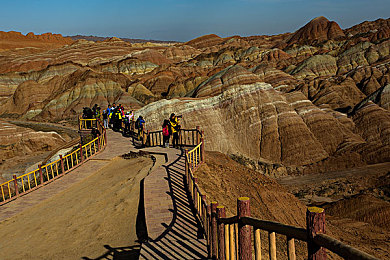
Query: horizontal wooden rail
x=343, y=250
x=49, y=172
x=229, y=221
x=232, y=238
x=270, y=226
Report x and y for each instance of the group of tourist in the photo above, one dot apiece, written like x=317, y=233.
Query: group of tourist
x=170, y=127
x=115, y=117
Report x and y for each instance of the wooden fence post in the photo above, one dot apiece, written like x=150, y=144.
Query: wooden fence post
x=40, y=173
x=197, y=135
x=202, y=149
x=194, y=194
x=81, y=153
x=244, y=231
x=98, y=140
x=16, y=185
x=221, y=233
x=62, y=164
x=147, y=139
x=186, y=167
x=214, y=238
x=204, y=210
x=202, y=146
x=208, y=232
x=315, y=224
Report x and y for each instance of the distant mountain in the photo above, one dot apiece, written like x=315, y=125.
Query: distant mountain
x=98, y=38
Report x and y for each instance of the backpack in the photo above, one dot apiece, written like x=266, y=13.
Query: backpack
x=165, y=131
x=137, y=124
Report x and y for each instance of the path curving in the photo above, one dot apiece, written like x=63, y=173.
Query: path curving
x=172, y=229
x=117, y=146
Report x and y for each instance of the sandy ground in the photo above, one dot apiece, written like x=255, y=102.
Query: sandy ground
x=93, y=218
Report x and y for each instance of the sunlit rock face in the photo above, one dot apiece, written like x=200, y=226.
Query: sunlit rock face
x=64, y=97
x=19, y=141
x=286, y=129
x=318, y=30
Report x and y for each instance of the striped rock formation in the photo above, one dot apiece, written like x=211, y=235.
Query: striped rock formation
x=319, y=78
x=20, y=141
x=280, y=129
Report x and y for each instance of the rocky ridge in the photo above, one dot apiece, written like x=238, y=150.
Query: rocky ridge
x=325, y=88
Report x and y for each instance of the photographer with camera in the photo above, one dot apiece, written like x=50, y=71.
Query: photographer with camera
x=175, y=128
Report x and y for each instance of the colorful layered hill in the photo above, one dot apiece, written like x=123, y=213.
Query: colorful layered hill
x=313, y=100
x=12, y=40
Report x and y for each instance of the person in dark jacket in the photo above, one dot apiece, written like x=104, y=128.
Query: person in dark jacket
x=175, y=128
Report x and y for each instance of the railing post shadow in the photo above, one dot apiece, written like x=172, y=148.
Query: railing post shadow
x=244, y=231
x=16, y=185
x=62, y=164
x=315, y=224
x=214, y=238
x=221, y=233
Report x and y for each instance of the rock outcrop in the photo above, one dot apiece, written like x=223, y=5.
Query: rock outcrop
x=12, y=40
x=19, y=141
x=273, y=128
x=205, y=41
x=316, y=31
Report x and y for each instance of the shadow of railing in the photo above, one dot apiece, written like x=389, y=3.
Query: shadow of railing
x=182, y=238
x=118, y=253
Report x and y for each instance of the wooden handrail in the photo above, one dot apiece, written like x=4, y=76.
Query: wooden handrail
x=231, y=220
x=343, y=250
x=51, y=171
x=232, y=247
x=271, y=226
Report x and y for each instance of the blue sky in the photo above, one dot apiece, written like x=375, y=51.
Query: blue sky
x=180, y=20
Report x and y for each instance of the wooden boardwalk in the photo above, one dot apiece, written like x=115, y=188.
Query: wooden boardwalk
x=172, y=228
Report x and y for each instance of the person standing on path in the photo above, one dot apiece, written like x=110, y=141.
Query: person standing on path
x=166, y=133
x=175, y=128
x=140, y=125
x=105, y=118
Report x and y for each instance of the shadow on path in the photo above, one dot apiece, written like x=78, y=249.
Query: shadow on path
x=118, y=253
x=183, y=237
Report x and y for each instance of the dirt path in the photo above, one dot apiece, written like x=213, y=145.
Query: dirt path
x=94, y=217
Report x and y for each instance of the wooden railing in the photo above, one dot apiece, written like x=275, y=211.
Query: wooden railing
x=30, y=181
x=231, y=238
x=187, y=137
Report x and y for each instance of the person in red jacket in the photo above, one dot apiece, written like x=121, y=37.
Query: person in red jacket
x=166, y=133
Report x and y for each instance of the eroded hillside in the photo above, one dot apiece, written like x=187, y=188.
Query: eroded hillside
x=309, y=101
